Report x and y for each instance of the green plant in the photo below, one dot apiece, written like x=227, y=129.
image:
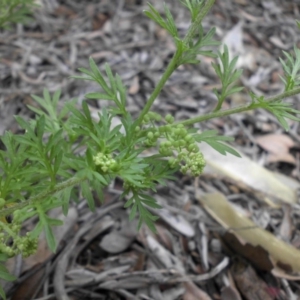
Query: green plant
x=64, y=149
x=15, y=11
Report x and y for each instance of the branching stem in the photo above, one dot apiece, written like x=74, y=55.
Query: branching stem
x=174, y=61
x=238, y=109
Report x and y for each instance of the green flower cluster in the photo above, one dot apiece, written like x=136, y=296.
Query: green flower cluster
x=177, y=142
x=194, y=162
x=152, y=117
x=105, y=162
x=11, y=243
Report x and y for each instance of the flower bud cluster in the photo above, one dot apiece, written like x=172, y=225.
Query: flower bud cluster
x=195, y=163
x=151, y=117
x=178, y=144
x=179, y=141
x=155, y=133
x=152, y=137
x=11, y=243
x=105, y=162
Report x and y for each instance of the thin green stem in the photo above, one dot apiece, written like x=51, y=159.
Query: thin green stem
x=238, y=109
x=217, y=114
x=195, y=25
x=283, y=95
x=170, y=69
x=8, y=230
x=220, y=102
x=41, y=196
x=173, y=64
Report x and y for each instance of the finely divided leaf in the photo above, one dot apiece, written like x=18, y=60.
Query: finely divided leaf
x=211, y=138
x=86, y=192
x=50, y=237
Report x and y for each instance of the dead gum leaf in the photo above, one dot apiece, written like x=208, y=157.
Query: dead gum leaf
x=275, y=143
x=283, y=254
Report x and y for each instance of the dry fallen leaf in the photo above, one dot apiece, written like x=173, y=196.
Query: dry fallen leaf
x=177, y=222
x=234, y=41
x=250, y=285
x=257, y=255
x=119, y=239
x=193, y=292
x=278, y=145
x=282, y=274
x=230, y=293
x=281, y=254
x=135, y=86
x=28, y=288
x=275, y=143
x=164, y=237
x=286, y=227
x=168, y=259
x=243, y=170
x=282, y=157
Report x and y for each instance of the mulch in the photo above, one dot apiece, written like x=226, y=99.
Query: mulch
x=193, y=255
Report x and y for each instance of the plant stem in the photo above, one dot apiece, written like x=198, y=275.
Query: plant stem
x=238, y=109
x=170, y=69
x=173, y=63
x=283, y=95
x=220, y=102
x=217, y=114
x=196, y=24
x=41, y=196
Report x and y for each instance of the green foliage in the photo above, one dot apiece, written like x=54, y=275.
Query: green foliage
x=194, y=7
x=291, y=69
x=228, y=75
x=196, y=48
x=15, y=11
x=113, y=88
x=216, y=142
x=139, y=203
x=65, y=153
x=4, y=274
x=279, y=109
x=168, y=23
